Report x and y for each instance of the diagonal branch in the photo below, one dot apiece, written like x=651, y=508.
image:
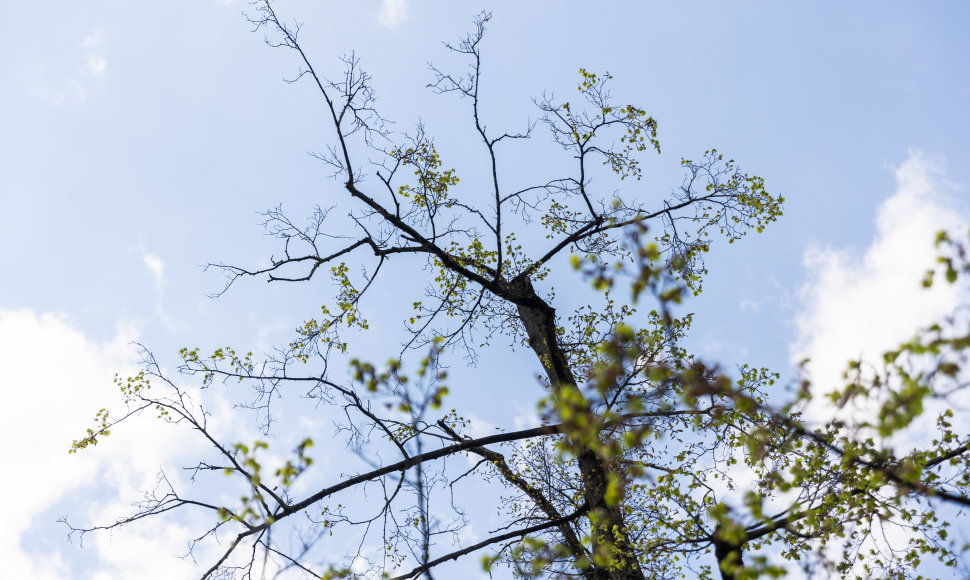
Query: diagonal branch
x=493, y=540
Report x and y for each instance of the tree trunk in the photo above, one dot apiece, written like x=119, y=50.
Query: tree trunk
x=609, y=535
x=729, y=553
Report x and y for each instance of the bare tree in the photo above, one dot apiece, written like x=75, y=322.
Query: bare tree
x=632, y=473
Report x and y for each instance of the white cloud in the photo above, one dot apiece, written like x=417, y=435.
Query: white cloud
x=54, y=379
x=860, y=306
x=392, y=12
x=147, y=553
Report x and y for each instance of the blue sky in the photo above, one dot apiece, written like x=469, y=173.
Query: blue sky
x=138, y=141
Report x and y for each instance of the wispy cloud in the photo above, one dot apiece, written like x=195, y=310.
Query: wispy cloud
x=94, y=61
x=749, y=304
x=392, y=13
x=85, y=71
x=76, y=86
x=156, y=267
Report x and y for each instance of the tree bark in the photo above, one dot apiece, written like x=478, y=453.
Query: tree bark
x=729, y=553
x=609, y=532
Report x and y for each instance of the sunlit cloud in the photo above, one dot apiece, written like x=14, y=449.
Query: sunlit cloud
x=55, y=379
x=45, y=409
x=858, y=306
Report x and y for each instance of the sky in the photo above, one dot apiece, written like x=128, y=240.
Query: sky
x=138, y=141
